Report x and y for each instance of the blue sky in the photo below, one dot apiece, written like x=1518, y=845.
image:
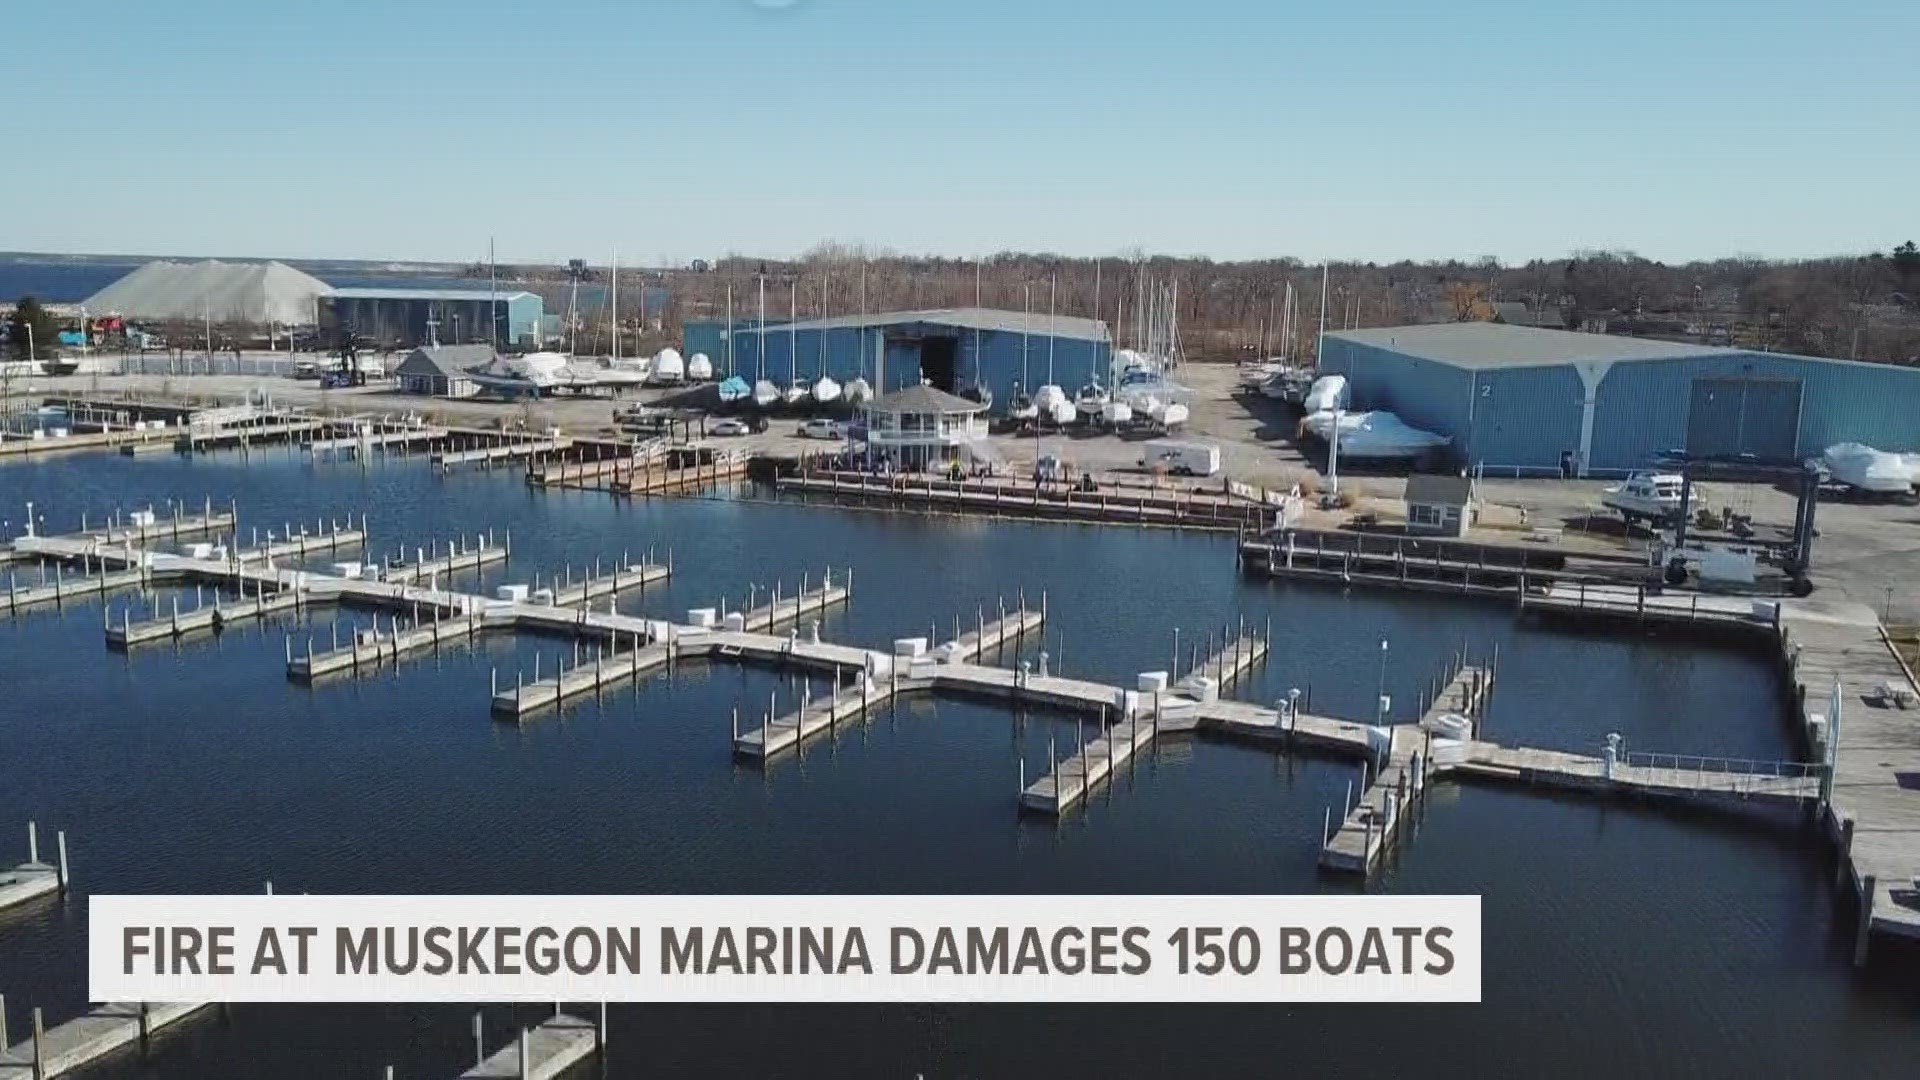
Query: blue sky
x=417, y=129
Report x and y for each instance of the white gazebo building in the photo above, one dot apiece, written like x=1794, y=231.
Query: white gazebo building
x=921, y=428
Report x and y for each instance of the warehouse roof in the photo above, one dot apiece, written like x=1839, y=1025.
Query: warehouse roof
x=966, y=318
x=238, y=292
x=450, y=295
x=1494, y=345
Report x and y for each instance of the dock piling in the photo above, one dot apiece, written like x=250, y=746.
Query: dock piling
x=1861, y=938
x=39, y=1051
x=60, y=846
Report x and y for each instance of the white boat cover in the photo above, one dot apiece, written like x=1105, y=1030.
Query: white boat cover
x=1327, y=393
x=826, y=391
x=765, y=394
x=699, y=367
x=1860, y=466
x=1062, y=411
x=858, y=392
x=668, y=366
x=1374, y=434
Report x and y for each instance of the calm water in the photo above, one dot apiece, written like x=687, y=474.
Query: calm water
x=1617, y=938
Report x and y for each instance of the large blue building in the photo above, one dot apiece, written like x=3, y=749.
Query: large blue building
x=951, y=348
x=1522, y=400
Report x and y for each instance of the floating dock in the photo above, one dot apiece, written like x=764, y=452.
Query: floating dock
x=488, y=455
x=653, y=644
x=542, y=1052
x=87, y=1038
x=1391, y=782
x=33, y=879
x=1071, y=779
x=781, y=732
x=203, y=617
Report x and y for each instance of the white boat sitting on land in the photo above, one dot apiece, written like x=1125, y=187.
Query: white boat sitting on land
x=1646, y=496
x=1373, y=435
x=1869, y=471
x=699, y=367
x=858, y=392
x=765, y=394
x=669, y=369
x=826, y=391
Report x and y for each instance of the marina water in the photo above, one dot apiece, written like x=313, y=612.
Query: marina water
x=1618, y=938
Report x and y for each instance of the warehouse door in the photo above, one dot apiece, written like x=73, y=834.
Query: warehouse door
x=1732, y=417
x=939, y=362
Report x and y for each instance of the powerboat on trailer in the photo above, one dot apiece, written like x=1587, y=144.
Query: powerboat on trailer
x=1869, y=471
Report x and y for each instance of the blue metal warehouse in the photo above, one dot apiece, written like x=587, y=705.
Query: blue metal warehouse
x=411, y=317
x=1518, y=399
x=952, y=348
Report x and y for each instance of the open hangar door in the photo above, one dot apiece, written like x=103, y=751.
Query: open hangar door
x=1744, y=416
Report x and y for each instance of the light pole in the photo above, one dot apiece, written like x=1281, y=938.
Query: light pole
x=1380, y=699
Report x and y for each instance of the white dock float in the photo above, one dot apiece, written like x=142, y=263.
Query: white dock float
x=429, y=564
x=371, y=649
x=61, y=587
x=542, y=1052
x=87, y=1038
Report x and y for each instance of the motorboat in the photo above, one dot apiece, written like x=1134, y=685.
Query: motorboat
x=733, y=389
x=826, y=391
x=533, y=374
x=1650, y=496
x=699, y=367
x=797, y=392
x=1061, y=411
x=1116, y=413
x=765, y=394
x=1091, y=398
x=669, y=368
x=1868, y=471
x=1173, y=415
x=1257, y=375
x=1047, y=397
x=1377, y=435
x=857, y=392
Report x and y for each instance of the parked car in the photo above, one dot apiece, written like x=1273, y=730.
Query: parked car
x=729, y=427
x=823, y=428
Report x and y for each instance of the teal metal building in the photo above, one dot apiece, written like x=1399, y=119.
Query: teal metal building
x=1518, y=400
x=954, y=349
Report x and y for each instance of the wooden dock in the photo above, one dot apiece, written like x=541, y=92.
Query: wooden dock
x=542, y=1052
x=1395, y=774
x=652, y=644
x=1838, y=658
x=1055, y=501
x=1069, y=780
x=34, y=879
x=878, y=679
x=202, y=617
x=460, y=556
x=488, y=455
x=370, y=649
x=89, y=1037
x=60, y=587
x=375, y=440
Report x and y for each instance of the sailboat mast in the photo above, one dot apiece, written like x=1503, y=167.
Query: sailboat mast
x=826, y=285
x=1096, y=311
x=1026, y=311
x=1320, y=345
x=616, y=306
x=793, y=330
x=1053, y=291
x=760, y=339
x=493, y=305
x=729, y=329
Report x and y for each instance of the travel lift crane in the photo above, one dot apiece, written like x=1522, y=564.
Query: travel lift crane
x=347, y=353
x=1794, y=555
